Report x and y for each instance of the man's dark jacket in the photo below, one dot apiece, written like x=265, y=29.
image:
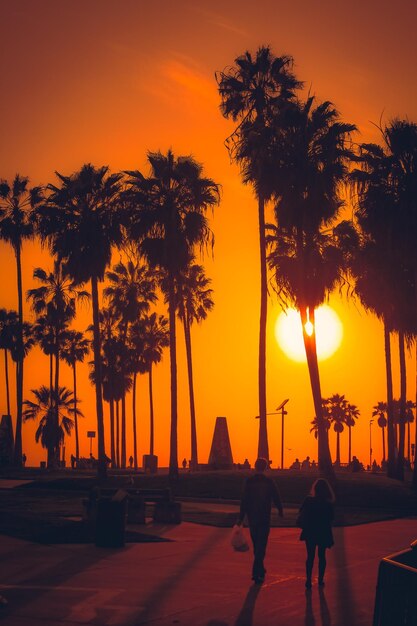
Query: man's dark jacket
x=259, y=493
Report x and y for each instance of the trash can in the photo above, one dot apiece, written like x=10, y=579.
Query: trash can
x=396, y=590
x=111, y=521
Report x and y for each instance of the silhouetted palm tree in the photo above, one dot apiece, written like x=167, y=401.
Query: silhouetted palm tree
x=54, y=302
x=51, y=435
x=153, y=334
x=8, y=324
x=352, y=413
x=17, y=217
x=252, y=91
x=380, y=410
x=335, y=411
x=82, y=223
x=194, y=303
x=130, y=292
x=74, y=349
x=308, y=256
x=169, y=218
x=387, y=185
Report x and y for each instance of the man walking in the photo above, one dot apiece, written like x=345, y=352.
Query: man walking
x=259, y=493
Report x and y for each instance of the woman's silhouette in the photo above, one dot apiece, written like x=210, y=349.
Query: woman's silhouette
x=315, y=518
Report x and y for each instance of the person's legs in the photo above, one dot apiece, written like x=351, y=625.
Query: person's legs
x=311, y=551
x=259, y=535
x=322, y=563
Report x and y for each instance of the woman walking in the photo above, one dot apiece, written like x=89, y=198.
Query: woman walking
x=315, y=519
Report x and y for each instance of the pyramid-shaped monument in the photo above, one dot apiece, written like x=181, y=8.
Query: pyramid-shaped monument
x=221, y=451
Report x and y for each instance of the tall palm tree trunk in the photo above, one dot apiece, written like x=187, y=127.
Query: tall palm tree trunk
x=118, y=433
x=173, y=450
x=263, y=448
x=112, y=439
x=77, y=442
x=56, y=407
x=135, y=441
x=383, y=443
x=102, y=467
x=338, y=449
x=391, y=463
x=6, y=375
x=324, y=457
x=123, y=434
x=403, y=400
x=415, y=438
x=350, y=443
x=19, y=365
x=187, y=336
x=151, y=414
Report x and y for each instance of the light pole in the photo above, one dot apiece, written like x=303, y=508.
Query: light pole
x=281, y=409
x=370, y=444
x=278, y=410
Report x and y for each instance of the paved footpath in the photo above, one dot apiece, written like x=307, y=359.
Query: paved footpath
x=195, y=580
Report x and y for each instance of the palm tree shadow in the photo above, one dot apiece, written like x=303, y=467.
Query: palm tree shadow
x=245, y=616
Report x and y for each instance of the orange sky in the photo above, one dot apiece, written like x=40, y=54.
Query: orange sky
x=103, y=81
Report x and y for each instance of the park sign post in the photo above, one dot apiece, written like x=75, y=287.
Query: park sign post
x=91, y=435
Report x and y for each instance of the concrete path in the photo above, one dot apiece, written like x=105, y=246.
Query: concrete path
x=195, y=580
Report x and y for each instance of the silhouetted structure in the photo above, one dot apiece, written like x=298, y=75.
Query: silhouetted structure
x=221, y=452
x=6, y=441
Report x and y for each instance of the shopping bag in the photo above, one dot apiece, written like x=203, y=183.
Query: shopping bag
x=238, y=539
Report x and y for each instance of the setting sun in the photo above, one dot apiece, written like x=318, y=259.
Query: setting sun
x=289, y=336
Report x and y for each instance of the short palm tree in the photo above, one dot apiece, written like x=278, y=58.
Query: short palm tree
x=82, y=222
x=150, y=336
x=352, y=413
x=335, y=409
x=253, y=90
x=74, y=349
x=130, y=291
x=50, y=435
x=194, y=303
x=380, y=411
x=18, y=204
x=55, y=301
x=169, y=219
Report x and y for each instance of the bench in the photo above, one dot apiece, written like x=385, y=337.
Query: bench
x=165, y=511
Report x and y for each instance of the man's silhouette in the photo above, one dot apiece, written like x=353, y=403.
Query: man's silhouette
x=258, y=495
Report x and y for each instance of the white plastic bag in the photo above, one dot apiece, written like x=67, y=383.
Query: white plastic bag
x=238, y=539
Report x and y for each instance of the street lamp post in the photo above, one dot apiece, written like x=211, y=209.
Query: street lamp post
x=370, y=444
x=278, y=410
x=281, y=409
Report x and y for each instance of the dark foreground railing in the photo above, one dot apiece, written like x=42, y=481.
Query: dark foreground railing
x=396, y=590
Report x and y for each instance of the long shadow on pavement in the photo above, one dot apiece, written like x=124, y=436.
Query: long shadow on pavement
x=168, y=585
x=245, y=617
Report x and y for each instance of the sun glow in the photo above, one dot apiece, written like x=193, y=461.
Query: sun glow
x=329, y=333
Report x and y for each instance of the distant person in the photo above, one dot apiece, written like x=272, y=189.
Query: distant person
x=23, y=460
x=313, y=464
x=306, y=463
x=356, y=465
x=296, y=465
x=246, y=464
x=131, y=461
x=184, y=463
x=259, y=493
x=72, y=461
x=315, y=519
